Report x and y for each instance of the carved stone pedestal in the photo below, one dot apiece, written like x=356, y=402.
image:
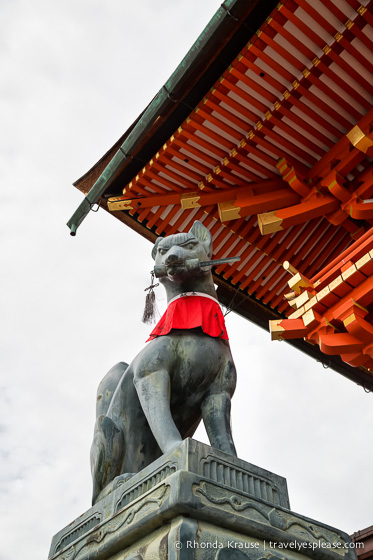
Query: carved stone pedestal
x=198, y=503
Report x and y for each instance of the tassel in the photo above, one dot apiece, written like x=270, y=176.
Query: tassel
x=150, y=310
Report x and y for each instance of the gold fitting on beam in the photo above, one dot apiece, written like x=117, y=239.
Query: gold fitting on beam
x=350, y=319
x=251, y=135
x=309, y=318
x=114, y=205
x=277, y=105
x=282, y=166
x=326, y=49
x=349, y=272
x=276, y=330
x=279, y=6
x=322, y=293
x=249, y=45
x=303, y=299
x=361, y=10
x=228, y=211
x=335, y=283
x=316, y=61
x=225, y=161
x=295, y=84
x=298, y=282
x=269, y=19
x=190, y=200
x=209, y=177
x=349, y=24
x=306, y=72
x=297, y=314
x=268, y=115
x=217, y=170
x=365, y=259
x=269, y=223
x=338, y=36
x=259, y=125
x=243, y=142
x=239, y=57
x=233, y=153
x=359, y=140
x=286, y=94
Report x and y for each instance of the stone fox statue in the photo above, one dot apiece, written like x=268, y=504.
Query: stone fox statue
x=184, y=373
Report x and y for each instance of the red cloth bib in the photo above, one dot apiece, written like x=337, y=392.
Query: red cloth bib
x=189, y=312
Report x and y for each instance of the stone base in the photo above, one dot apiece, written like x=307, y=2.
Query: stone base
x=198, y=503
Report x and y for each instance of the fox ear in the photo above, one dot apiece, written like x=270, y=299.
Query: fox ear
x=200, y=232
x=154, y=251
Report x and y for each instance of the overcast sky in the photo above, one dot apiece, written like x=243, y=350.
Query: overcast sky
x=74, y=75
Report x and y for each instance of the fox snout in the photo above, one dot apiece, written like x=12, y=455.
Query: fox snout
x=177, y=264
x=175, y=258
x=175, y=255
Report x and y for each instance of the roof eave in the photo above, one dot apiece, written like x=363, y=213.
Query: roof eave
x=221, y=40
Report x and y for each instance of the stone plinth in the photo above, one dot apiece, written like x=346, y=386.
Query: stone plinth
x=198, y=503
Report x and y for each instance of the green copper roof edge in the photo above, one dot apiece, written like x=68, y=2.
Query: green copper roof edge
x=164, y=96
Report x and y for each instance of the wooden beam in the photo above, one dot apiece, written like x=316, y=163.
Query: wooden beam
x=281, y=219
x=292, y=177
x=287, y=329
x=124, y=203
x=246, y=205
x=339, y=343
x=360, y=140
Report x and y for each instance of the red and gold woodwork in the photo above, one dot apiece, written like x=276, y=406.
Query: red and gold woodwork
x=334, y=309
x=276, y=160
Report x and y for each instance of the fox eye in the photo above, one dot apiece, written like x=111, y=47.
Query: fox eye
x=162, y=251
x=190, y=245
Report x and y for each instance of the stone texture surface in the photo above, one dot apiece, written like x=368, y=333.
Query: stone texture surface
x=198, y=503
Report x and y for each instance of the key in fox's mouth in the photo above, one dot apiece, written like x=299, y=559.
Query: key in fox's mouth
x=176, y=264
x=175, y=270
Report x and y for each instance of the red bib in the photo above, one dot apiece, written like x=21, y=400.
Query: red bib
x=191, y=310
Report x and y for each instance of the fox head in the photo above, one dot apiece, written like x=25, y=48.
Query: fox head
x=172, y=251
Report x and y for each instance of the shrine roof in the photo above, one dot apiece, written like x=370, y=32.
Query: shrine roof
x=270, y=110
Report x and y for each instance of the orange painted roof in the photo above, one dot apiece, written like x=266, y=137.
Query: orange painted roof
x=300, y=90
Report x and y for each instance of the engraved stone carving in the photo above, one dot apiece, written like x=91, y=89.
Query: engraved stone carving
x=179, y=499
x=78, y=531
x=280, y=519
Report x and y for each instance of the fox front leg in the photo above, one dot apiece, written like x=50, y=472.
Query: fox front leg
x=216, y=414
x=153, y=390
